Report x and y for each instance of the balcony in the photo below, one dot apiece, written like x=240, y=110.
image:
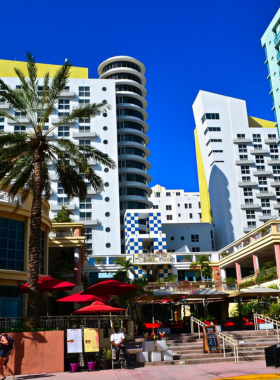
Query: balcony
x=277, y=41
x=261, y=173
x=58, y=206
x=80, y=135
x=247, y=184
x=251, y=206
x=67, y=94
x=152, y=258
x=275, y=184
x=89, y=221
x=265, y=218
x=58, y=119
x=273, y=162
x=278, y=58
x=276, y=206
x=265, y=194
x=21, y=119
x=241, y=140
x=271, y=140
x=91, y=192
x=246, y=230
x=259, y=151
x=4, y=106
x=244, y=161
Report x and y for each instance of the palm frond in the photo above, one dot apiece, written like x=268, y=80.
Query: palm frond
x=32, y=72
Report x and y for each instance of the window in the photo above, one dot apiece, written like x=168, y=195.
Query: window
x=213, y=140
x=199, y=215
x=208, y=116
x=12, y=244
x=168, y=217
x=84, y=91
x=240, y=136
x=168, y=207
x=276, y=169
x=157, y=195
x=259, y=159
x=20, y=114
x=246, y=179
x=195, y=249
x=63, y=104
x=215, y=151
x=105, y=142
x=251, y=224
x=178, y=204
x=265, y=202
x=242, y=148
x=155, y=207
x=177, y=193
x=249, y=201
x=84, y=128
x=188, y=205
x=63, y=201
x=172, y=238
x=105, y=128
x=271, y=137
x=266, y=212
x=247, y=192
x=260, y=168
x=179, y=215
x=263, y=190
x=19, y=128
x=250, y=214
x=195, y=238
x=85, y=215
x=199, y=205
x=243, y=157
x=257, y=138
x=88, y=233
x=212, y=129
x=83, y=101
x=274, y=157
x=168, y=194
x=245, y=169
x=84, y=120
x=257, y=147
x=86, y=203
x=276, y=179
x=190, y=216
x=62, y=115
x=182, y=238
x=273, y=148
x=262, y=181
x=108, y=245
x=277, y=190
x=63, y=131
x=107, y=229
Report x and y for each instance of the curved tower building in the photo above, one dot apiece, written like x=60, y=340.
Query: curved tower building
x=131, y=128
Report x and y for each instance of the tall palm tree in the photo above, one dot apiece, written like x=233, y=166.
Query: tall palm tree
x=23, y=156
x=126, y=267
x=63, y=216
x=202, y=266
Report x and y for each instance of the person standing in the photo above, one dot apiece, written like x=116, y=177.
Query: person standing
x=6, y=345
x=117, y=341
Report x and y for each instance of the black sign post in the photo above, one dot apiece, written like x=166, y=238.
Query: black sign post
x=211, y=341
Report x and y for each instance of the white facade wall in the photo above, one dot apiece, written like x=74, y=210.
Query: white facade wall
x=176, y=206
x=223, y=169
x=104, y=139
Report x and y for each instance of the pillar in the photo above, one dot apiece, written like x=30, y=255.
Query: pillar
x=238, y=272
x=223, y=274
x=77, y=268
x=277, y=258
x=256, y=264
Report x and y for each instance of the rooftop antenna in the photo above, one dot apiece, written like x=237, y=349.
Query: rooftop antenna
x=66, y=60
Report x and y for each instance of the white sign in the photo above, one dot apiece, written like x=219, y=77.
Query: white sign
x=74, y=341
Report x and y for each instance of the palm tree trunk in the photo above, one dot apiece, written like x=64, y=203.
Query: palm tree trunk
x=33, y=300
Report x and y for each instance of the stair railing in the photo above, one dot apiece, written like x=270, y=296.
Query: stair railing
x=223, y=337
x=267, y=320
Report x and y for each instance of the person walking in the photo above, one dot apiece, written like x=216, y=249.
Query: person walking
x=117, y=341
x=6, y=345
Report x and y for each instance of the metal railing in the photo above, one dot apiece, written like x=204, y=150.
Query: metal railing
x=266, y=320
x=4, y=197
x=222, y=336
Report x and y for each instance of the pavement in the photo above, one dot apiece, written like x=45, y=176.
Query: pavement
x=211, y=371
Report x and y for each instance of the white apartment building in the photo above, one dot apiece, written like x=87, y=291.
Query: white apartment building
x=176, y=206
x=238, y=166
x=99, y=211
x=271, y=43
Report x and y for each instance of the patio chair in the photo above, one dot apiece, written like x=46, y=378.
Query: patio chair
x=248, y=325
x=178, y=327
x=229, y=326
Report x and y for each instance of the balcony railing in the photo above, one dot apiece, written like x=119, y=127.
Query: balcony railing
x=4, y=197
x=277, y=38
x=152, y=258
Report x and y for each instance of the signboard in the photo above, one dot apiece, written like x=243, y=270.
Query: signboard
x=74, y=341
x=211, y=341
x=91, y=340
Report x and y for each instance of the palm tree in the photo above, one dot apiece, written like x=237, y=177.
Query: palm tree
x=63, y=216
x=24, y=156
x=204, y=267
x=126, y=267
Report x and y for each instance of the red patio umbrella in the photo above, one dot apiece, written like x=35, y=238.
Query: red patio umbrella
x=78, y=297
x=98, y=307
x=112, y=287
x=49, y=284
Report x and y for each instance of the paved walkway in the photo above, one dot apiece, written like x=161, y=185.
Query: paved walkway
x=227, y=371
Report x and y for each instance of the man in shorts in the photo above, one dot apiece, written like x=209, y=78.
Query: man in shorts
x=5, y=351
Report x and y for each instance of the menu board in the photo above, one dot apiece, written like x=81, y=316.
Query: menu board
x=211, y=341
x=74, y=341
x=91, y=340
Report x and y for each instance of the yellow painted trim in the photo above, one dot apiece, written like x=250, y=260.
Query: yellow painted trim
x=203, y=187
x=267, y=376
x=7, y=69
x=255, y=122
x=67, y=241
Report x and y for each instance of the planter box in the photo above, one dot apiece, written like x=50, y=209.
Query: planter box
x=155, y=356
x=160, y=345
x=37, y=352
x=142, y=357
x=167, y=355
x=148, y=346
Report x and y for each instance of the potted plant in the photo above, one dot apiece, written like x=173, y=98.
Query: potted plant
x=106, y=358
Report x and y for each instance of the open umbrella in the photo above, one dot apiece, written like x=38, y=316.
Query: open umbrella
x=98, y=307
x=257, y=291
x=80, y=298
x=112, y=287
x=49, y=284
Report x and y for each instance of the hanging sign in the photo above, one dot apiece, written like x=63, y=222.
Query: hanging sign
x=211, y=341
x=74, y=341
x=91, y=340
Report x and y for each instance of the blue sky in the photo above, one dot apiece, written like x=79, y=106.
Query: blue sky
x=185, y=45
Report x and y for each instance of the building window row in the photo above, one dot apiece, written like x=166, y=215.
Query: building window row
x=212, y=129
x=114, y=65
x=209, y=116
x=213, y=140
x=215, y=151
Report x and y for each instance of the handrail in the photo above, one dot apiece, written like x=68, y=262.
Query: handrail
x=222, y=336
x=266, y=320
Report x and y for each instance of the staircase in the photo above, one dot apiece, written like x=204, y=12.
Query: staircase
x=188, y=348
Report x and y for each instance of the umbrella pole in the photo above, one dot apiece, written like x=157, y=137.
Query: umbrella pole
x=153, y=317
x=47, y=302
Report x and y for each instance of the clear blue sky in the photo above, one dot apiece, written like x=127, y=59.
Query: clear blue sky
x=185, y=45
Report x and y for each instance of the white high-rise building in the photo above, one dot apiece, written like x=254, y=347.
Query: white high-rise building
x=271, y=44
x=99, y=211
x=238, y=166
x=132, y=129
